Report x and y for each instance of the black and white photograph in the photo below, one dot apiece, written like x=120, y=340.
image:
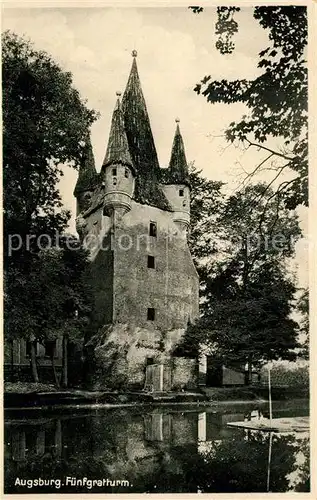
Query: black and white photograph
x=156, y=281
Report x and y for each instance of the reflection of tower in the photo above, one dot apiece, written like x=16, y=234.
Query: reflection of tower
x=27, y=440
x=202, y=426
x=18, y=445
x=40, y=442
x=184, y=428
x=157, y=427
x=58, y=439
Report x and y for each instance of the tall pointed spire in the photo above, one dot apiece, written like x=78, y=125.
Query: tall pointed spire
x=137, y=124
x=118, y=148
x=178, y=169
x=141, y=142
x=87, y=177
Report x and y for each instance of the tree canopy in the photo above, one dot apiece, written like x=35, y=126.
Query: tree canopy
x=243, y=246
x=303, y=308
x=277, y=99
x=45, y=126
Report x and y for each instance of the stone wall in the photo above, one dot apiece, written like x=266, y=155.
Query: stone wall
x=121, y=351
x=122, y=337
x=171, y=288
x=101, y=275
x=184, y=374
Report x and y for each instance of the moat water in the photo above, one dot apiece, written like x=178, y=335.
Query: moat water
x=158, y=450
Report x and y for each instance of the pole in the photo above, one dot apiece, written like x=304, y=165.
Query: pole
x=269, y=464
x=270, y=395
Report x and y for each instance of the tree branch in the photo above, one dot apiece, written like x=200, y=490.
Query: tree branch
x=269, y=150
x=251, y=174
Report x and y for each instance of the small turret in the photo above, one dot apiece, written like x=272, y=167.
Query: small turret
x=118, y=171
x=87, y=178
x=176, y=182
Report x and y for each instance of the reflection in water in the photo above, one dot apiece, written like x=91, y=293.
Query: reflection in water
x=159, y=451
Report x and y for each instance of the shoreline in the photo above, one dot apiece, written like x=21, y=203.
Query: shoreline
x=77, y=399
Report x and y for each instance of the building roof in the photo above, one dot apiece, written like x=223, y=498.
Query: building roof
x=87, y=177
x=141, y=143
x=177, y=172
x=118, y=148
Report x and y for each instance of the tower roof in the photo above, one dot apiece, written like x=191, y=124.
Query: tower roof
x=141, y=142
x=87, y=177
x=178, y=169
x=118, y=147
x=137, y=124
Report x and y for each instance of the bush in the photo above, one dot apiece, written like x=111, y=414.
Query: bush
x=289, y=374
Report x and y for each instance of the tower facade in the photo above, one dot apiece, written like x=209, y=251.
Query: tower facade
x=143, y=278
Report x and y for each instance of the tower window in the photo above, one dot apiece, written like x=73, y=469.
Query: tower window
x=151, y=314
x=114, y=181
x=153, y=229
x=184, y=203
x=181, y=192
x=151, y=261
x=114, y=171
x=126, y=173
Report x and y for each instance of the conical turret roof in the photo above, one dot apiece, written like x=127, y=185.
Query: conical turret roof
x=118, y=147
x=87, y=177
x=178, y=168
x=141, y=143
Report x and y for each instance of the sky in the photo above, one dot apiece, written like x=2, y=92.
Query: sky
x=176, y=49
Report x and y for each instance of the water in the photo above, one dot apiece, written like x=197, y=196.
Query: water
x=158, y=450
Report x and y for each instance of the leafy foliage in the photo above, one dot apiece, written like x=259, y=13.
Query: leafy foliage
x=303, y=308
x=247, y=292
x=287, y=374
x=206, y=200
x=196, y=9
x=276, y=99
x=53, y=298
x=251, y=323
x=226, y=26
x=45, y=124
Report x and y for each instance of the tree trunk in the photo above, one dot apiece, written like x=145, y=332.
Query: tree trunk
x=33, y=362
x=65, y=362
x=12, y=361
x=54, y=369
x=250, y=371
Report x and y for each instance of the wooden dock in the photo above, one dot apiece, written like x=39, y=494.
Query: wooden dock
x=287, y=424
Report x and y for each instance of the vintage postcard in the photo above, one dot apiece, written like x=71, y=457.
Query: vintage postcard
x=156, y=248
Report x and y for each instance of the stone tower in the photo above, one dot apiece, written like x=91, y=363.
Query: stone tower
x=134, y=218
